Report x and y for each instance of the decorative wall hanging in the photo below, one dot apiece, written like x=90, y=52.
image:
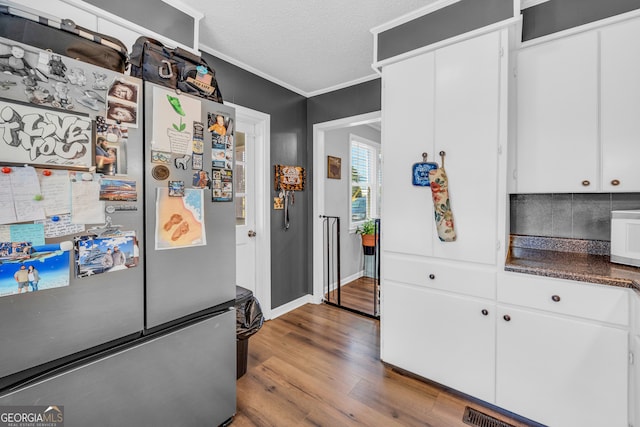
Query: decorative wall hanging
x=420, y=171
x=287, y=180
x=334, y=167
x=45, y=136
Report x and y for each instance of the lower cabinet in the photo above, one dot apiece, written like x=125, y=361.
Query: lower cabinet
x=445, y=337
x=554, y=351
x=560, y=371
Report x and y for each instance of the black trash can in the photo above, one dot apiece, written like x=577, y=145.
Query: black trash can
x=249, y=320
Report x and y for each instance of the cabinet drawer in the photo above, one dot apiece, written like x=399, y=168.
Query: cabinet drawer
x=458, y=278
x=590, y=301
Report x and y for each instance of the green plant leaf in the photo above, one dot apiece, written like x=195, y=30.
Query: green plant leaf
x=175, y=126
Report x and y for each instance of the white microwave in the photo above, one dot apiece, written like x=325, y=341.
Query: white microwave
x=625, y=237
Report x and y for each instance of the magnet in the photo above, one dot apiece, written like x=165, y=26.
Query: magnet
x=87, y=176
x=160, y=172
x=181, y=162
x=37, y=197
x=55, y=218
x=6, y=169
x=110, y=209
x=46, y=172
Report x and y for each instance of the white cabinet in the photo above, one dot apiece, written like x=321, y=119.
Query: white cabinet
x=444, y=337
x=553, y=367
x=447, y=100
x=407, y=132
x=557, y=116
x=620, y=106
x=578, y=103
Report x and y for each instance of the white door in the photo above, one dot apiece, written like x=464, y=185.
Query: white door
x=244, y=184
x=252, y=190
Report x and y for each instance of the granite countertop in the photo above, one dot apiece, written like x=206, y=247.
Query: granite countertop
x=572, y=259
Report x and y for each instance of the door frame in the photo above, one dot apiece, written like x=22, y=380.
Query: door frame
x=262, y=122
x=319, y=174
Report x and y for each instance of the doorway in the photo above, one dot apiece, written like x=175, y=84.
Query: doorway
x=251, y=188
x=339, y=260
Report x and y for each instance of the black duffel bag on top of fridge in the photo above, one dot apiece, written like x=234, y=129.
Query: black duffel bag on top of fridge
x=175, y=68
x=63, y=37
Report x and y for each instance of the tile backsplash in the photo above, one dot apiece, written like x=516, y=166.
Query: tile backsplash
x=576, y=216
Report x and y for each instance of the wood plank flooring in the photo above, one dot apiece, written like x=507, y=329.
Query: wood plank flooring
x=357, y=295
x=319, y=366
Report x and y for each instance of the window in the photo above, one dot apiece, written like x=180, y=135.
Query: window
x=365, y=180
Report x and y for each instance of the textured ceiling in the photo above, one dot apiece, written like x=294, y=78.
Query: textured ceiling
x=309, y=46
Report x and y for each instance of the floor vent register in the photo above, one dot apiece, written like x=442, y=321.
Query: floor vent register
x=476, y=418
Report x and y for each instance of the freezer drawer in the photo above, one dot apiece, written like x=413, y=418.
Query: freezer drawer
x=186, y=377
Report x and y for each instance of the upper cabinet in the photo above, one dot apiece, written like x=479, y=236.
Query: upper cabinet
x=578, y=100
x=445, y=100
x=620, y=107
x=557, y=113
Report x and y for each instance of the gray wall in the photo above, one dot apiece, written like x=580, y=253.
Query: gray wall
x=157, y=16
x=337, y=195
x=458, y=18
x=577, y=216
x=557, y=15
x=290, y=260
x=351, y=101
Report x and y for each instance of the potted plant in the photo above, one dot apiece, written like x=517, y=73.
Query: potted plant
x=367, y=231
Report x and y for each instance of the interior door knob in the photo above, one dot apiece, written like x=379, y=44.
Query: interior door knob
x=251, y=233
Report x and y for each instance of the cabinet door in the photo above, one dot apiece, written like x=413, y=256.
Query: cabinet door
x=561, y=372
x=467, y=122
x=443, y=337
x=557, y=116
x=620, y=107
x=407, y=132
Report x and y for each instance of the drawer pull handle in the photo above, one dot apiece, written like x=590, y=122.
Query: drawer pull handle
x=615, y=182
x=586, y=183
x=485, y=312
x=432, y=276
x=556, y=298
x=506, y=317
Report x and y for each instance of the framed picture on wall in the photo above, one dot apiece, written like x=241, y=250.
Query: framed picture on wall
x=334, y=167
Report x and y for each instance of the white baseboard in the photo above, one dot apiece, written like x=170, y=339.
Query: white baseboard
x=345, y=280
x=292, y=305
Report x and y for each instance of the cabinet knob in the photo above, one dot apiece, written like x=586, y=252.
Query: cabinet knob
x=586, y=183
x=485, y=312
x=432, y=276
x=506, y=317
x=615, y=182
x=556, y=298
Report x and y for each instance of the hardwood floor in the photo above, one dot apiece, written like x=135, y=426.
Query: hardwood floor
x=357, y=295
x=319, y=366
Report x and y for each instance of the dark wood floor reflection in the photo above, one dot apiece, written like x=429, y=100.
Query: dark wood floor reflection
x=319, y=366
x=357, y=295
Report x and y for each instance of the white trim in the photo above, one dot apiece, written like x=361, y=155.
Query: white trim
x=251, y=69
x=319, y=172
x=262, y=123
x=183, y=7
x=529, y=3
x=279, y=82
x=342, y=85
x=447, y=42
x=583, y=28
x=292, y=305
x=412, y=15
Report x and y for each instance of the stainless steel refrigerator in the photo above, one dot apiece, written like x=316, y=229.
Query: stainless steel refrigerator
x=151, y=343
